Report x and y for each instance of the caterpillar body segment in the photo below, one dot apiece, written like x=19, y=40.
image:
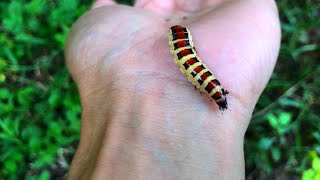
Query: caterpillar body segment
x=185, y=56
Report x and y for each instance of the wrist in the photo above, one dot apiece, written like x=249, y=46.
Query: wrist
x=130, y=134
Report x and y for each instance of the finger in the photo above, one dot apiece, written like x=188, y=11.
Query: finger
x=162, y=6
x=177, y=10
x=100, y=3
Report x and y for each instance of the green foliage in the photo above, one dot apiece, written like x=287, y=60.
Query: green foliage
x=313, y=173
x=285, y=125
x=280, y=123
x=40, y=111
x=39, y=103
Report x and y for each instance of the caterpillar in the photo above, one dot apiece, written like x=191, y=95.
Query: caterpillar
x=185, y=56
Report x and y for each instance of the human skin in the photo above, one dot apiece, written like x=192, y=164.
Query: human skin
x=141, y=118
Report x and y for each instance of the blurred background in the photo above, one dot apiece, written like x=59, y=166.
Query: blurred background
x=40, y=108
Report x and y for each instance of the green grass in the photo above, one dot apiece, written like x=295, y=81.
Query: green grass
x=39, y=104
x=285, y=127
x=40, y=108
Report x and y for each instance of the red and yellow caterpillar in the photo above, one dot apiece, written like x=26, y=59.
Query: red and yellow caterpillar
x=185, y=56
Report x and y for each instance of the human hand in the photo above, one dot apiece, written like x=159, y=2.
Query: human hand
x=141, y=117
